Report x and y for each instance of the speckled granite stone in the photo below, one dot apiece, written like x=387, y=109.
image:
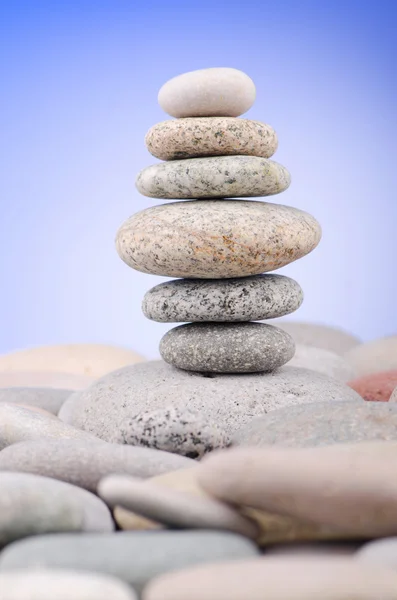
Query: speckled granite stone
x=243, y=299
x=322, y=424
x=323, y=361
x=223, y=92
x=318, y=335
x=227, y=347
x=210, y=136
x=230, y=401
x=216, y=240
x=213, y=177
x=173, y=429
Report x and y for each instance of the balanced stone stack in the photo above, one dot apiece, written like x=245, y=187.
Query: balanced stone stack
x=217, y=247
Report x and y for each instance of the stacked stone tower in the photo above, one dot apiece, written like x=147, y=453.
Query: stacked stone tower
x=217, y=246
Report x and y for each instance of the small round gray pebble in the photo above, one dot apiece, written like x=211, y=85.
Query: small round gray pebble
x=49, y=399
x=227, y=347
x=321, y=424
x=135, y=557
x=213, y=177
x=222, y=300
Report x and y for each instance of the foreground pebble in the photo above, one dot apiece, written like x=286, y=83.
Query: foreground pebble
x=48, y=399
x=210, y=136
x=88, y=360
x=30, y=505
x=345, y=489
x=377, y=387
x=171, y=507
x=57, y=584
x=19, y=424
x=227, y=347
x=219, y=91
x=295, y=578
x=216, y=240
x=321, y=424
x=244, y=299
x=320, y=336
x=135, y=557
x=323, y=361
x=230, y=401
x=213, y=177
x=84, y=463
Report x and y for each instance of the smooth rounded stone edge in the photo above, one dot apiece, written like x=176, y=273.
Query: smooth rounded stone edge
x=46, y=398
x=382, y=552
x=323, y=361
x=319, y=335
x=253, y=298
x=227, y=347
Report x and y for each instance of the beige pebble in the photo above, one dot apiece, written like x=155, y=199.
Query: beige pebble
x=42, y=379
x=90, y=360
x=319, y=335
x=130, y=521
x=374, y=357
x=277, y=578
x=172, y=507
x=346, y=490
x=223, y=91
x=210, y=136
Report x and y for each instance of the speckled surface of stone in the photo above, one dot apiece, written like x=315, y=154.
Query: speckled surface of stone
x=227, y=347
x=216, y=240
x=323, y=361
x=242, y=299
x=321, y=424
x=230, y=401
x=320, y=336
x=213, y=177
x=210, y=136
x=218, y=91
x=377, y=387
x=173, y=429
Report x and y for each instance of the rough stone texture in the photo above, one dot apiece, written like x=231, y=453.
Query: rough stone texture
x=216, y=240
x=136, y=557
x=227, y=347
x=84, y=463
x=219, y=91
x=43, y=379
x=344, y=489
x=18, y=424
x=172, y=507
x=243, y=299
x=278, y=578
x=30, y=504
x=210, y=136
x=322, y=361
x=230, y=401
x=374, y=357
x=213, y=177
x=376, y=387
x=46, y=584
x=90, y=360
x=50, y=400
x=382, y=552
x=321, y=336
x=321, y=424
x=174, y=429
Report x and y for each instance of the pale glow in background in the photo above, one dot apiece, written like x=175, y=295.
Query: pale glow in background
x=79, y=91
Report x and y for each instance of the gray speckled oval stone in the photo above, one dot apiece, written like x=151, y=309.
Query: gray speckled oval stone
x=213, y=177
x=83, y=463
x=323, y=361
x=134, y=556
x=216, y=240
x=210, y=136
x=49, y=399
x=218, y=91
x=230, y=401
x=227, y=347
x=321, y=424
x=173, y=429
x=243, y=299
x=321, y=336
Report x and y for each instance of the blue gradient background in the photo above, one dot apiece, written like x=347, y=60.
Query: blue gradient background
x=79, y=83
